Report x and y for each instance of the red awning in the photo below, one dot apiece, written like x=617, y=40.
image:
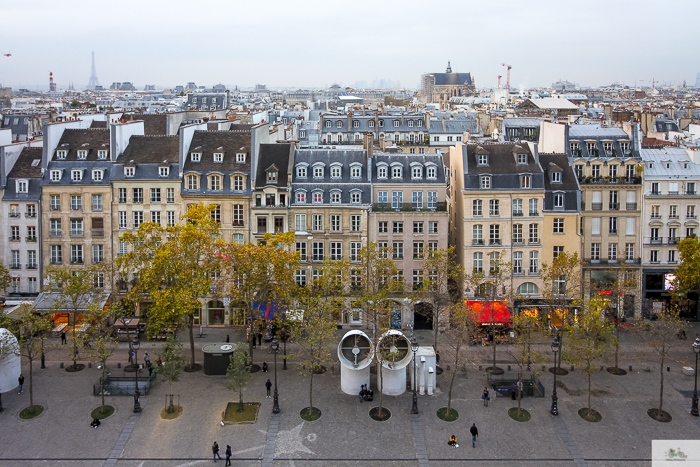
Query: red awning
x=499, y=315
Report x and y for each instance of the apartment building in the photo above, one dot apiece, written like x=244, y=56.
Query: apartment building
x=269, y=210
x=350, y=128
x=607, y=164
x=77, y=196
x=409, y=215
x=217, y=171
x=22, y=224
x=498, y=203
x=671, y=204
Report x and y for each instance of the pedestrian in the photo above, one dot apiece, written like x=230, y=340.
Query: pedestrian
x=131, y=356
x=264, y=368
x=228, y=455
x=21, y=382
x=485, y=396
x=260, y=339
x=268, y=385
x=63, y=337
x=437, y=357
x=146, y=359
x=475, y=432
x=95, y=423
x=514, y=391
x=150, y=369
x=228, y=339
x=453, y=442
x=362, y=393
x=215, y=450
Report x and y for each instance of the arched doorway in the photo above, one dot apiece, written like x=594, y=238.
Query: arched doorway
x=423, y=316
x=215, y=313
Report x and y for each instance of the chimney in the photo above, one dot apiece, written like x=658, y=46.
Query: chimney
x=349, y=122
x=320, y=122
x=426, y=117
x=402, y=120
x=636, y=140
x=368, y=143
x=444, y=124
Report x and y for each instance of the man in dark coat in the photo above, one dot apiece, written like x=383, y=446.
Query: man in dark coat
x=475, y=432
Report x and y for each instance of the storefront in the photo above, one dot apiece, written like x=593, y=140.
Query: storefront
x=491, y=313
x=657, y=285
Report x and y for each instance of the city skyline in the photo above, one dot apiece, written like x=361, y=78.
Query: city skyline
x=316, y=45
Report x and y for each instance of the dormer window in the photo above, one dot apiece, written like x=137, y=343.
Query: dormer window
x=556, y=177
x=102, y=154
x=301, y=196
x=97, y=175
x=196, y=157
x=356, y=197
x=215, y=183
x=381, y=123
x=302, y=133
x=371, y=123
x=271, y=176
x=335, y=197
x=624, y=145
x=240, y=157
x=328, y=123
x=525, y=181
x=396, y=123
x=396, y=172
x=522, y=158
x=76, y=175
x=483, y=159
x=61, y=154
x=218, y=157
x=335, y=171
x=431, y=172
x=163, y=171
x=420, y=122
x=416, y=172
x=317, y=197
x=485, y=182
x=129, y=171
x=382, y=171
x=339, y=124
x=192, y=182
x=318, y=172
x=301, y=172
x=82, y=154
x=355, y=124
x=22, y=186
x=410, y=123
x=356, y=171
x=55, y=175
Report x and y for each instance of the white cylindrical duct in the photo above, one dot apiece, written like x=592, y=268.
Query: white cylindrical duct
x=395, y=353
x=355, y=352
x=10, y=362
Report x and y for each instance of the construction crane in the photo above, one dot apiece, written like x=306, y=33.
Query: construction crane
x=507, y=75
x=499, y=81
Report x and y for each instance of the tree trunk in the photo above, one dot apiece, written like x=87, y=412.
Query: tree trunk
x=617, y=343
x=190, y=325
x=75, y=345
x=435, y=326
x=311, y=391
x=102, y=389
x=452, y=380
x=31, y=386
x=240, y=399
x=493, y=333
x=590, y=376
x=381, y=389
x=661, y=388
x=517, y=388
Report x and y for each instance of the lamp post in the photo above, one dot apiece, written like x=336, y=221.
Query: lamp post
x=275, y=405
x=555, y=349
x=696, y=348
x=137, y=404
x=284, y=360
x=414, y=347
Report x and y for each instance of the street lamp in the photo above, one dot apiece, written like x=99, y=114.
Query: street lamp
x=555, y=349
x=696, y=348
x=414, y=347
x=137, y=404
x=275, y=405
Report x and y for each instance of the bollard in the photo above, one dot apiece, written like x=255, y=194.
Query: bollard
x=89, y=364
x=543, y=368
x=602, y=367
x=630, y=367
x=480, y=368
x=61, y=364
x=508, y=367
x=119, y=364
x=572, y=368
x=668, y=368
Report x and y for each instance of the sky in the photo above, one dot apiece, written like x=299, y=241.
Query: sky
x=311, y=43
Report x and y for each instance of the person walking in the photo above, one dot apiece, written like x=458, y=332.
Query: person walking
x=146, y=359
x=486, y=397
x=63, y=337
x=228, y=456
x=264, y=367
x=475, y=432
x=268, y=385
x=21, y=382
x=228, y=339
x=260, y=339
x=215, y=450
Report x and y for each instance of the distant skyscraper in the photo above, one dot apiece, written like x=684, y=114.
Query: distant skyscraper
x=93, y=82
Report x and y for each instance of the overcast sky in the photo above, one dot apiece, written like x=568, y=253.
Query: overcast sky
x=317, y=43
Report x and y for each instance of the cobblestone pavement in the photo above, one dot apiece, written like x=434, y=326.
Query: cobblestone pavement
x=345, y=435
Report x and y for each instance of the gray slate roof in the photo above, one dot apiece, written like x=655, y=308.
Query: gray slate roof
x=569, y=184
x=90, y=139
x=452, y=79
x=148, y=153
x=505, y=172
x=27, y=166
x=406, y=161
x=273, y=154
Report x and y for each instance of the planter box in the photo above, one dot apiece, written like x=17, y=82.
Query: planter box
x=688, y=371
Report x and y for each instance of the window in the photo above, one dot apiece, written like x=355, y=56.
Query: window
x=595, y=226
x=629, y=229
x=301, y=171
x=339, y=124
x=15, y=284
x=138, y=218
x=533, y=234
x=137, y=195
x=300, y=277
x=417, y=227
x=476, y=208
x=97, y=202
x=449, y=138
x=396, y=171
x=431, y=172
x=335, y=171
x=215, y=183
x=477, y=234
x=417, y=199
x=317, y=222
x=673, y=212
x=517, y=207
x=170, y=195
x=432, y=227
x=595, y=170
x=82, y=154
x=271, y=176
x=517, y=233
x=522, y=159
x=356, y=197
x=192, y=182
x=238, y=215
x=318, y=171
x=494, y=208
x=122, y=219
x=328, y=123
x=301, y=197
x=483, y=159
x=398, y=250
x=558, y=200
x=56, y=254
x=518, y=262
x=533, y=207
x=355, y=172
x=317, y=251
x=534, y=262
x=98, y=253
x=155, y=195
x=218, y=157
x=381, y=171
x=335, y=222
x=355, y=248
x=690, y=212
x=612, y=226
x=558, y=225
x=556, y=177
x=485, y=182
x=416, y=172
x=31, y=234
x=671, y=256
x=129, y=171
x=61, y=154
x=382, y=197
x=14, y=234
x=76, y=175
x=690, y=188
x=196, y=157
x=397, y=227
x=300, y=222
x=355, y=223
x=55, y=201
x=525, y=181
x=612, y=252
x=579, y=171
x=396, y=199
x=31, y=210
x=528, y=288
x=654, y=256
x=163, y=171
x=417, y=278
x=55, y=175
x=655, y=211
x=595, y=251
x=76, y=254
x=122, y=195
x=478, y=262
x=301, y=250
x=170, y=218
x=336, y=251
x=557, y=251
x=76, y=203
x=494, y=234
x=335, y=197
x=317, y=197
x=155, y=217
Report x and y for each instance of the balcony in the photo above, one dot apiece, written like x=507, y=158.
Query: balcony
x=654, y=241
x=76, y=208
x=55, y=233
x=55, y=208
x=76, y=261
x=32, y=266
x=673, y=216
x=98, y=233
x=534, y=213
x=478, y=241
x=30, y=214
x=691, y=216
x=31, y=239
x=76, y=232
x=518, y=214
x=14, y=214
x=588, y=180
x=440, y=206
x=238, y=224
x=614, y=206
x=612, y=232
x=597, y=206
x=673, y=240
x=614, y=262
x=655, y=193
x=655, y=215
x=691, y=192
x=14, y=238
x=533, y=241
x=495, y=241
x=631, y=206
x=97, y=208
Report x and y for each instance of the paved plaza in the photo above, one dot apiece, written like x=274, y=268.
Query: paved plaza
x=345, y=435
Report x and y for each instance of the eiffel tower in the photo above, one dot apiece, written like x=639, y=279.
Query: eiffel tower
x=93, y=76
